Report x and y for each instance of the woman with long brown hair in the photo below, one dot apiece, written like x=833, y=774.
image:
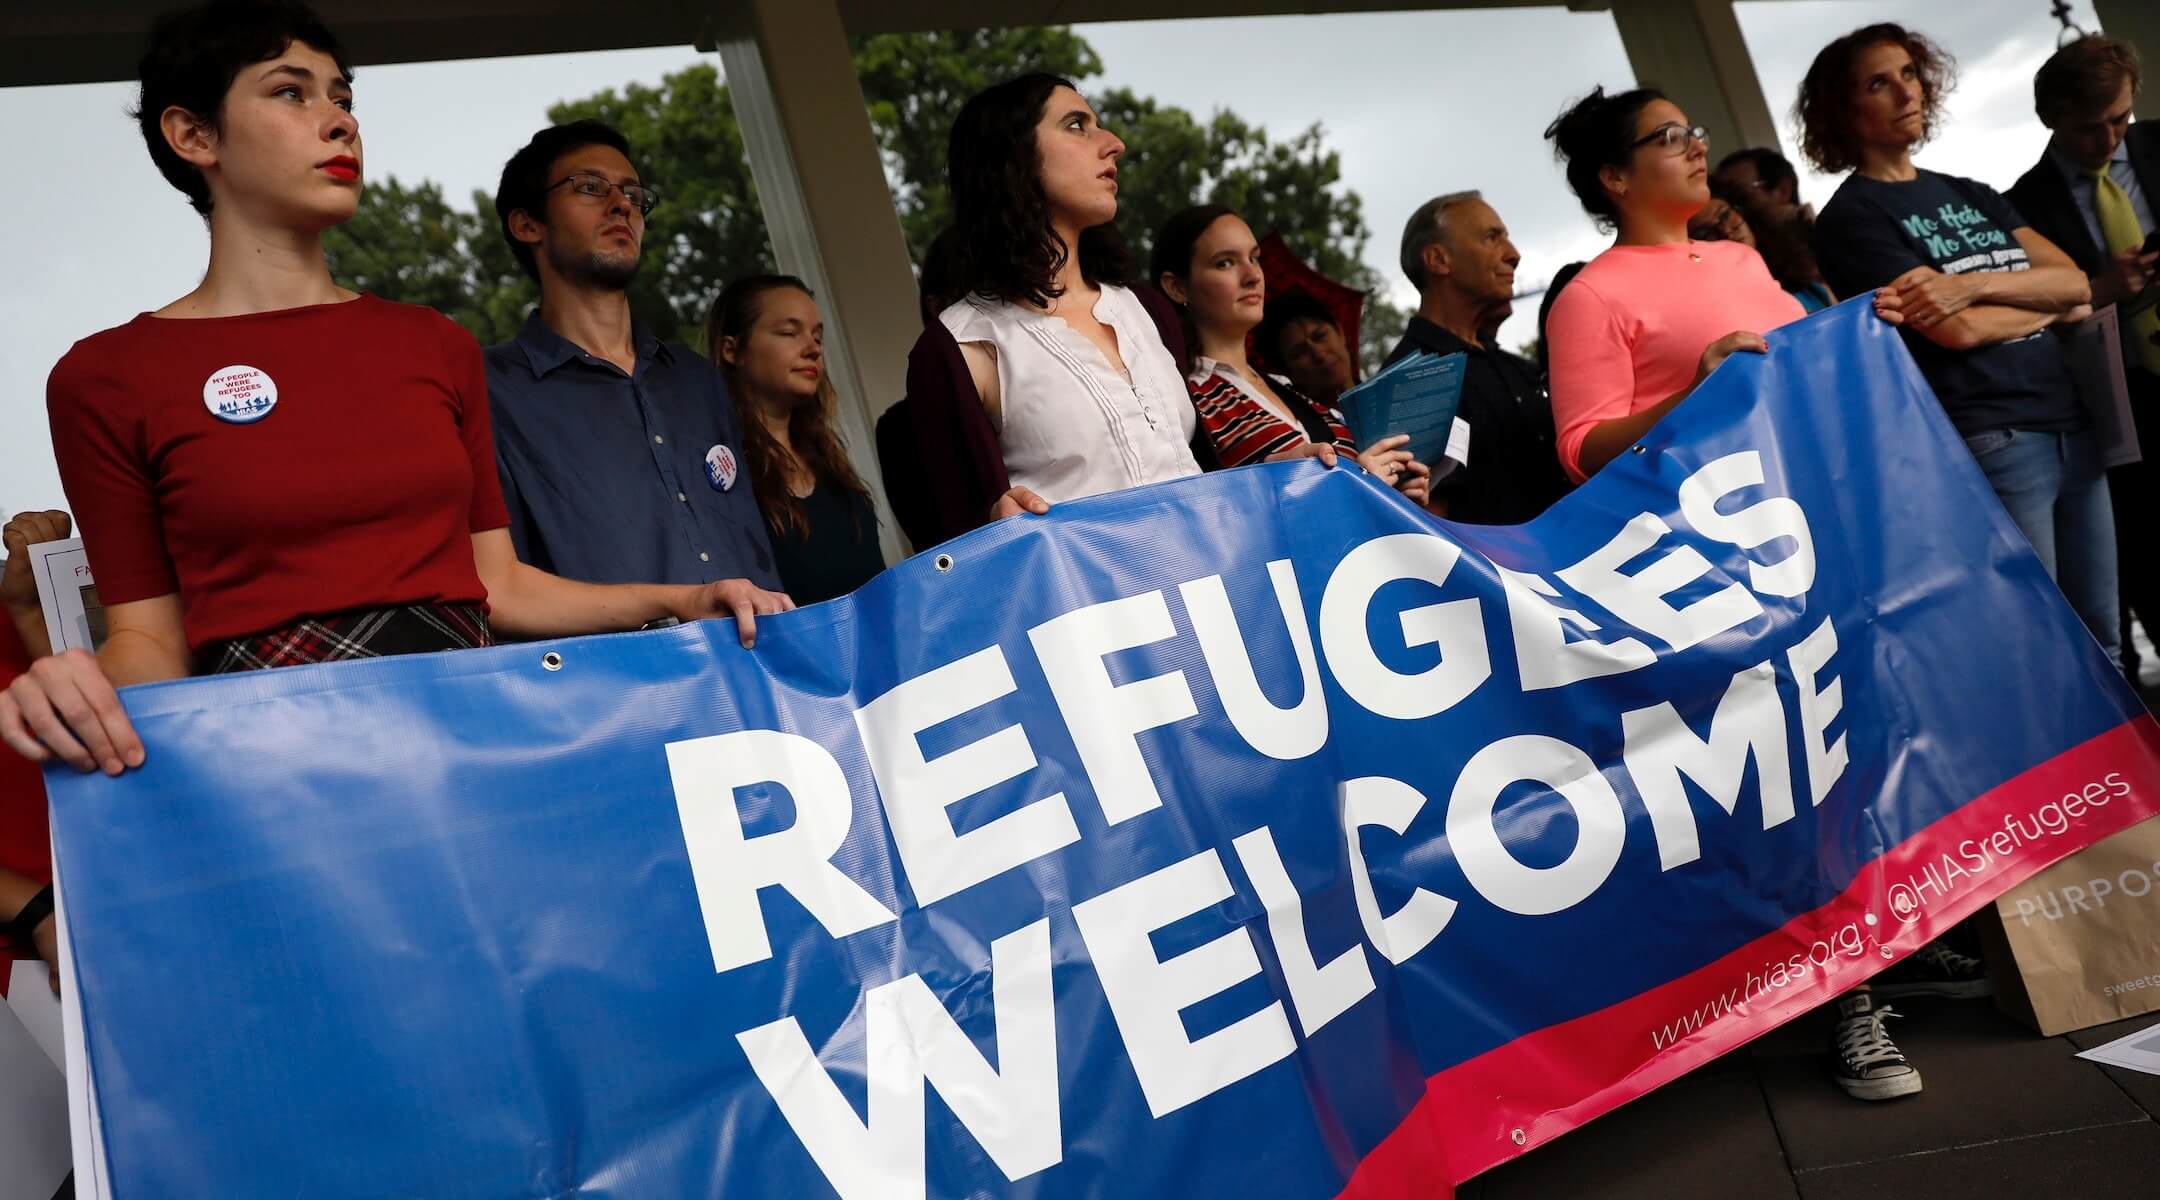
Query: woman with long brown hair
x=766, y=337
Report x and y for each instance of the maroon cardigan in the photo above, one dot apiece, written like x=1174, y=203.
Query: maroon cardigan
x=958, y=471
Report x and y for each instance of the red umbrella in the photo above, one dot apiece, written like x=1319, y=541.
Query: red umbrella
x=1286, y=272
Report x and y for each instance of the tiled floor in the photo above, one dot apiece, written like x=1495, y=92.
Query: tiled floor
x=2005, y=1113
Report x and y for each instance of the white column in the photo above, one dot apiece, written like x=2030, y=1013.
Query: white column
x=828, y=207
x=2138, y=23
x=1693, y=52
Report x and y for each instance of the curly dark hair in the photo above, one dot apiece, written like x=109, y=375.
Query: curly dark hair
x=194, y=56
x=817, y=444
x=1596, y=132
x=1004, y=246
x=1824, y=109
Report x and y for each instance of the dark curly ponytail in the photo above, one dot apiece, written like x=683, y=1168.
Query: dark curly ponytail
x=1596, y=132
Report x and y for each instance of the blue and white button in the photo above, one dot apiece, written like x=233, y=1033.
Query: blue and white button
x=720, y=468
x=240, y=395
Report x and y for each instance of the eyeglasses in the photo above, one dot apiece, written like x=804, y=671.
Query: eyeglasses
x=1716, y=225
x=1673, y=139
x=640, y=196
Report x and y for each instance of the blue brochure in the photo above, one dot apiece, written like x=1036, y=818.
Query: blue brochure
x=1418, y=395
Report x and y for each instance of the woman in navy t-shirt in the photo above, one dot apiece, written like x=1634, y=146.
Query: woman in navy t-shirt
x=1977, y=294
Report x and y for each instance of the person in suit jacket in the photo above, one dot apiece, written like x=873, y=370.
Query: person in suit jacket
x=2084, y=95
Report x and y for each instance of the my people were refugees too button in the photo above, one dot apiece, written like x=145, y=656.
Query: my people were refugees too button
x=241, y=395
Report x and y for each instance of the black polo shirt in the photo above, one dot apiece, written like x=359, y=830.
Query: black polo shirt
x=1514, y=469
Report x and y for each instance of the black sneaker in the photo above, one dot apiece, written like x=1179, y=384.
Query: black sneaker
x=1934, y=970
x=1867, y=1063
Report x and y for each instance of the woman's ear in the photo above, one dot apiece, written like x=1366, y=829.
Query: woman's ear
x=728, y=351
x=1614, y=180
x=190, y=136
x=1172, y=287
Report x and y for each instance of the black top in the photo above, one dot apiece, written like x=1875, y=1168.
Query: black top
x=836, y=553
x=1871, y=232
x=1514, y=469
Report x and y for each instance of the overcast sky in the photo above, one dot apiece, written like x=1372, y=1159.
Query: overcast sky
x=1416, y=103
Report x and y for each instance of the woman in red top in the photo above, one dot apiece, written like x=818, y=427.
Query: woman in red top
x=1207, y=261
x=271, y=469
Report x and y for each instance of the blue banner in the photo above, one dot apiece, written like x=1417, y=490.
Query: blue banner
x=1255, y=834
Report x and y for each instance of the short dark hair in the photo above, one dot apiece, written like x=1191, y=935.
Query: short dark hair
x=1596, y=132
x=1427, y=226
x=1296, y=304
x=1005, y=248
x=2083, y=76
x=193, y=58
x=1770, y=166
x=1824, y=108
x=525, y=177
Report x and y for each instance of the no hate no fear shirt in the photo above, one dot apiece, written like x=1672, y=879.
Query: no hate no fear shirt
x=278, y=465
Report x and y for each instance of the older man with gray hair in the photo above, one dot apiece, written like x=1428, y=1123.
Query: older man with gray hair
x=1455, y=249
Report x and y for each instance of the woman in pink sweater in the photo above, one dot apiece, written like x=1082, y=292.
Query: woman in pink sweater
x=1651, y=317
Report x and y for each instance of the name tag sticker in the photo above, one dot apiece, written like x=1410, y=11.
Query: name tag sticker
x=720, y=468
x=239, y=395
x=1458, y=442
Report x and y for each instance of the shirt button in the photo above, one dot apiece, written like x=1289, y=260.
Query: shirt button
x=703, y=557
x=683, y=498
x=657, y=439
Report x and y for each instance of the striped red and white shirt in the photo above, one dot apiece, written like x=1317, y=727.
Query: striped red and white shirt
x=1246, y=430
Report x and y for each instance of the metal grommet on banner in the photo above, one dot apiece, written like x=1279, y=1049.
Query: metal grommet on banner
x=942, y=562
x=1639, y=448
x=1520, y=1137
x=551, y=660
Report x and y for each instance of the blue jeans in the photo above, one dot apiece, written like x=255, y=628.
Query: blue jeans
x=2056, y=493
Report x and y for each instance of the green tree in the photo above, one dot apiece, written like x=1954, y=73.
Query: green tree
x=914, y=85
x=407, y=243
x=708, y=228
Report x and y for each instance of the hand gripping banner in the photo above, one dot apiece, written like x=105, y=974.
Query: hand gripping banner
x=1253, y=835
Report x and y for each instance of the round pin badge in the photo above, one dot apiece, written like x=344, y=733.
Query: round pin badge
x=720, y=468
x=239, y=395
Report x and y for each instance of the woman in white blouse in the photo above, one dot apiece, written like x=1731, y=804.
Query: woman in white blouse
x=1075, y=373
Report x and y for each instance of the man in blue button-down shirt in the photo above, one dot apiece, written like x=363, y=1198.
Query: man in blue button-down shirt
x=619, y=456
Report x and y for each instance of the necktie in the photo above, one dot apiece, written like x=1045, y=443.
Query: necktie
x=2119, y=225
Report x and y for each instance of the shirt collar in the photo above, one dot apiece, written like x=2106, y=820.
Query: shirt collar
x=1434, y=337
x=1203, y=366
x=545, y=349
x=2070, y=168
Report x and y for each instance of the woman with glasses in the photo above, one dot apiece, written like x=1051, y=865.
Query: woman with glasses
x=1049, y=379
x=1782, y=242
x=271, y=469
x=1652, y=316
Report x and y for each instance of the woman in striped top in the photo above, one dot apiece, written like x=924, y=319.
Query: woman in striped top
x=1208, y=263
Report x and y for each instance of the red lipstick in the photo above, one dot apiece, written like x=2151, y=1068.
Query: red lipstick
x=343, y=167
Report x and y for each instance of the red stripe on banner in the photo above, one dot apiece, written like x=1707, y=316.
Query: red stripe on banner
x=1517, y=1097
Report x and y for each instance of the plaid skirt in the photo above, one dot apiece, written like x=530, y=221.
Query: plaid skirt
x=357, y=633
